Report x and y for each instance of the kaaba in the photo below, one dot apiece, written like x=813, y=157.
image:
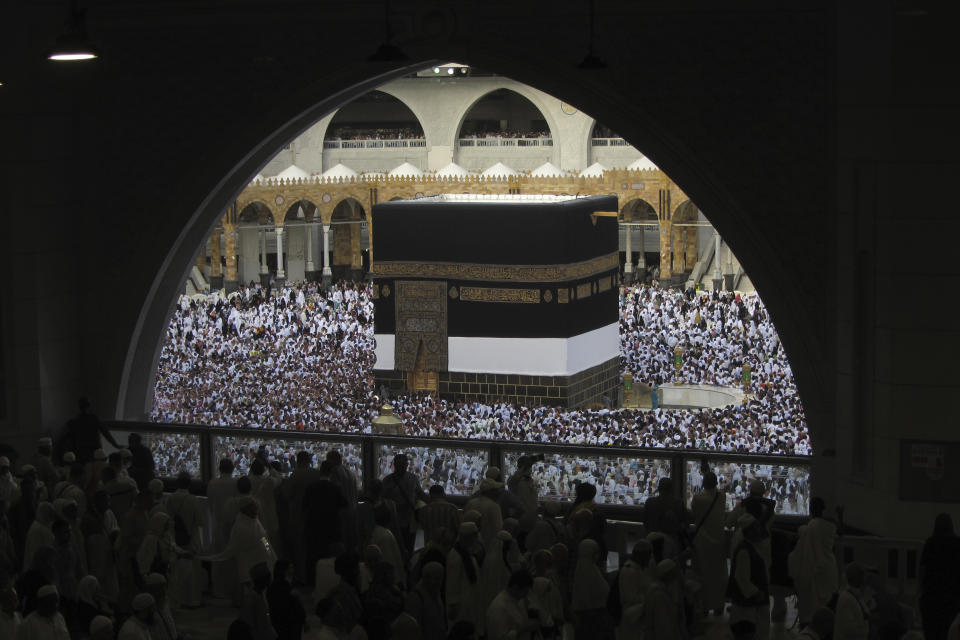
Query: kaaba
x=497, y=297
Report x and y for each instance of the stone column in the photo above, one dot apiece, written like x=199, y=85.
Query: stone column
x=327, y=272
x=264, y=272
x=216, y=269
x=231, y=280
x=628, y=266
x=728, y=272
x=692, y=248
x=309, y=269
x=717, y=274
x=281, y=274
x=641, y=274
x=666, y=235
x=666, y=242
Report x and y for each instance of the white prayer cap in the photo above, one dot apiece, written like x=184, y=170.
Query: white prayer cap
x=99, y=454
x=125, y=453
x=468, y=528
x=100, y=623
x=45, y=442
x=142, y=601
x=69, y=457
x=47, y=590
x=4, y=461
x=27, y=468
x=155, y=486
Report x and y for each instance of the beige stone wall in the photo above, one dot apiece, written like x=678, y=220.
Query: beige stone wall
x=654, y=187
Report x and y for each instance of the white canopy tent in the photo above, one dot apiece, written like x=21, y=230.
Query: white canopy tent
x=293, y=172
x=406, y=170
x=339, y=171
x=547, y=170
x=593, y=171
x=500, y=170
x=453, y=170
x=643, y=164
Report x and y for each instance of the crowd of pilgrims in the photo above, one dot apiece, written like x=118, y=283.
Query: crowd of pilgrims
x=302, y=358
x=100, y=548
x=620, y=480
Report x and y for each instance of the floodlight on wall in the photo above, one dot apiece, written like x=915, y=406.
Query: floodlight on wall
x=73, y=44
x=592, y=60
x=387, y=51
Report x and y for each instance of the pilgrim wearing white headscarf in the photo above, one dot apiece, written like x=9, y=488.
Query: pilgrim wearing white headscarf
x=500, y=560
x=590, y=591
x=39, y=534
x=100, y=528
x=158, y=551
x=187, y=576
x=463, y=579
x=248, y=542
x=45, y=623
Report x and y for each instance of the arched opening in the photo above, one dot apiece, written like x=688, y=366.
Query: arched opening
x=301, y=249
x=639, y=219
x=349, y=257
x=373, y=116
x=347, y=215
x=504, y=126
x=684, y=242
x=256, y=244
x=504, y=114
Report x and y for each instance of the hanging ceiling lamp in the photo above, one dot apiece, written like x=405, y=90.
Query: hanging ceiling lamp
x=591, y=60
x=73, y=44
x=387, y=51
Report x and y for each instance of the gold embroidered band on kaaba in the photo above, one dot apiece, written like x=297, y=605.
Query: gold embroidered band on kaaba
x=496, y=272
x=496, y=294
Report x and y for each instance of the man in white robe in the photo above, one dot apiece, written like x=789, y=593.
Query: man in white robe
x=45, y=623
x=812, y=563
x=219, y=492
x=507, y=616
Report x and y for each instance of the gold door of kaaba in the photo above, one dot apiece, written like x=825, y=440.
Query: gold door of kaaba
x=421, y=332
x=420, y=379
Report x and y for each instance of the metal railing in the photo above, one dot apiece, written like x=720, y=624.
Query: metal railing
x=209, y=443
x=375, y=144
x=609, y=142
x=504, y=142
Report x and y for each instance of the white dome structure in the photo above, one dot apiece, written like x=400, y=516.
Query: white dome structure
x=257, y=178
x=500, y=170
x=547, y=170
x=643, y=164
x=339, y=171
x=593, y=171
x=406, y=170
x=452, y=170
x=293, y=172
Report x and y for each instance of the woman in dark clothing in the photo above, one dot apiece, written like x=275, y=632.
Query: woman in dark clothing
x=940, y=579
x=286, y=610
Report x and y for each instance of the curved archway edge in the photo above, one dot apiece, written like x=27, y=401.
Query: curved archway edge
x=243, y=155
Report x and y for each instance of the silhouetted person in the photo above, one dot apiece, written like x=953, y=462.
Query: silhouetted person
x=142, y=465
x=83, y=433
x=940, y=579
x=323, y=506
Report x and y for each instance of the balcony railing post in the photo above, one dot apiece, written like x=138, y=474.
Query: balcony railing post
x=206, y=456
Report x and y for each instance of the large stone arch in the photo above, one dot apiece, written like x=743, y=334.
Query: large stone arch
x=393, y=93
x=243, y=147
x=518, y=88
